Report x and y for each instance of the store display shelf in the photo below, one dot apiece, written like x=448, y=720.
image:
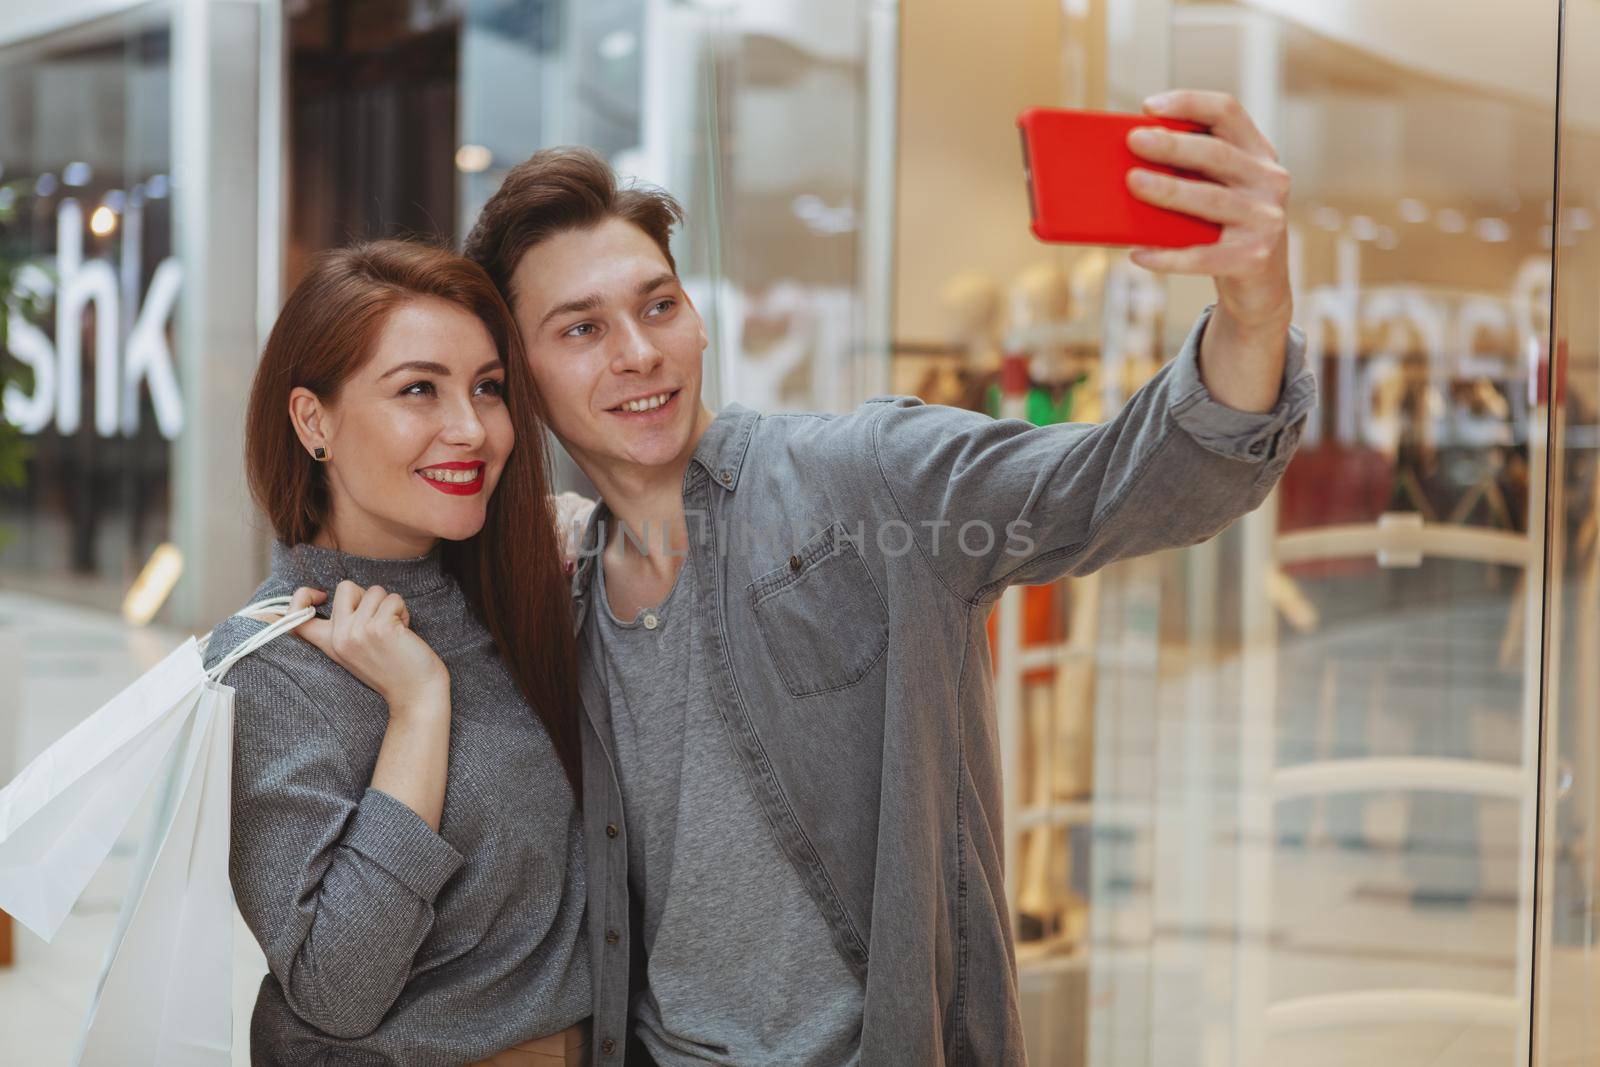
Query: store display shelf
x=1044, y=657
x=1064, y=813
x=1056, y=954
x=1469, y=777
x=1404, y=540
x=1376, y=1007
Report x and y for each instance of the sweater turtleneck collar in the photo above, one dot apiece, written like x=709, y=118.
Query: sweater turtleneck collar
x=324, y=568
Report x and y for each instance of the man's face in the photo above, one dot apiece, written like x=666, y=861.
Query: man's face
x=614, y=344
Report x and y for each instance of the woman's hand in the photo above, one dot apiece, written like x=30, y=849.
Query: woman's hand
x=369, y=635
x=572, y=517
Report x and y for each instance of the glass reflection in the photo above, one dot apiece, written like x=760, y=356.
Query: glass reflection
x=86, y=253
x=1568, y=980
x=1328, y=858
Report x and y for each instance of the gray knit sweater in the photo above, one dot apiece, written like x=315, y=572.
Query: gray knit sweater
x=389, y=943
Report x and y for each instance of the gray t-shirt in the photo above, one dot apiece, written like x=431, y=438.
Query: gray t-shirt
x=742, y=968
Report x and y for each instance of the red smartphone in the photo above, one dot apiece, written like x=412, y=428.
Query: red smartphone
x=1077, y=164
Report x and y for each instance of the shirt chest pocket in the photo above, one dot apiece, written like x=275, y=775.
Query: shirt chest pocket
x=823, y=620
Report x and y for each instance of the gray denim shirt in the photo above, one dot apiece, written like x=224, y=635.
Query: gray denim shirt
x=849, y=565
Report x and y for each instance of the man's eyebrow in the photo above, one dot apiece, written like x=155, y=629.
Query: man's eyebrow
x=657, y=282
x=588, y=303
x=592, y=301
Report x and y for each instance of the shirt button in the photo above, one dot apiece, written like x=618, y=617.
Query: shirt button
x=608, y=1046
x=1257, y=447
x=794, y=563
x=725, y=477
x=611, y=829
x=651, y=622
x=611, y=937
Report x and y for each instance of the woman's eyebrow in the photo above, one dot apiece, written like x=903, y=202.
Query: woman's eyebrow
x=429, y=367
x=422, y=365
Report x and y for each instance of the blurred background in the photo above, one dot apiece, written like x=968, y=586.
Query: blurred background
x=1322, y=791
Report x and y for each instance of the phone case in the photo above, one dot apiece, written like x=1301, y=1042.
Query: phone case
x=1076, y=164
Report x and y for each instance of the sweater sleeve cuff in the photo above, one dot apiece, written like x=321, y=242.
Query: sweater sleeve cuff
x=1252, y=437
x=394, y=837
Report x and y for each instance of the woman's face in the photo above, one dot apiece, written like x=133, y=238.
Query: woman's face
x=416, y=438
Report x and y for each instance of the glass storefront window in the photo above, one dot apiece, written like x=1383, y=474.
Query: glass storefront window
x=1567, y=946
x=1286, y=797
x=86, y=152
x=1321, y=848
x=755, y=115
x=1276, y=798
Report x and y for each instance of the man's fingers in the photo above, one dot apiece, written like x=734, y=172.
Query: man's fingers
x=1225, y=116
x=1224, y=259
x=1206, y=200
x=1202, y=153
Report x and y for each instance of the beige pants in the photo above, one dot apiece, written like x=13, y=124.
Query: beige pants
x=569, y=1048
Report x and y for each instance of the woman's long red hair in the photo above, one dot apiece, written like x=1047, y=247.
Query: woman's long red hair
x=511, y=570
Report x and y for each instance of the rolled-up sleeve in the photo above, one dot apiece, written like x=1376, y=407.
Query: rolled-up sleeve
x=392, y=836
x=336, y=880
x=1172, y=468
x=1268, y=438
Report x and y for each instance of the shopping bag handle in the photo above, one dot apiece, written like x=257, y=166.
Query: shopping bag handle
x=288, y=621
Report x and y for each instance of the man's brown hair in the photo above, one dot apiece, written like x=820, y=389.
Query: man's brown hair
x=555, y=191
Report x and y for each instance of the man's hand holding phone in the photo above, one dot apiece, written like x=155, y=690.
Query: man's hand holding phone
x=1247, y=194
x=1243, y=350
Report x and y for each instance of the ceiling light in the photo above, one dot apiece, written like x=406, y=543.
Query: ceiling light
x=618, y=44
x=1327, y=218
x=154, y=584
x=1495, y=231
x=473, y=159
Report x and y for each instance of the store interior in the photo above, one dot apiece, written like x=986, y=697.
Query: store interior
x=1323, y=790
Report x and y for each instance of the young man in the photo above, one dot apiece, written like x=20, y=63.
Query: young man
x=792, y=773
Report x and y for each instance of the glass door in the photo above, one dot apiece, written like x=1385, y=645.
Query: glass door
x=1566, y=954
x=1320, y=845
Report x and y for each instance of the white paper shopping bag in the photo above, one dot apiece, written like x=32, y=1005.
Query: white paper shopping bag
x=163, y=998
x=61, y=816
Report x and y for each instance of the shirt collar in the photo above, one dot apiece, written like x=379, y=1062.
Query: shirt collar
x=722, y=447
x=721, y=452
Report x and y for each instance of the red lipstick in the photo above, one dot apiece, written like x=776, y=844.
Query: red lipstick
x=471, y=487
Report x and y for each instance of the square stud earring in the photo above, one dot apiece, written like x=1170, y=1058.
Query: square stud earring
x=319, y=454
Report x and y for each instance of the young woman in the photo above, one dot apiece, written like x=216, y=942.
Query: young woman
x=406, y=839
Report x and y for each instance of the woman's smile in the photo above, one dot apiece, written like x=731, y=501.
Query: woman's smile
x=456, y=479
